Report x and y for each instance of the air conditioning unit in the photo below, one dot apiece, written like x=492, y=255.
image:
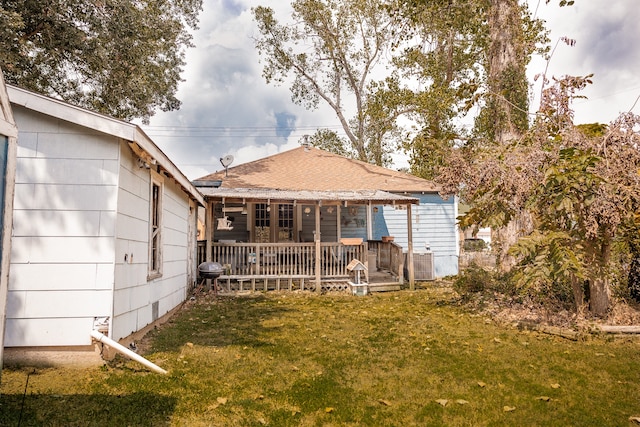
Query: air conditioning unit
x=422, y=266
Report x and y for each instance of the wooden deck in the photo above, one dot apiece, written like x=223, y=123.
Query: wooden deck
x=298, y=266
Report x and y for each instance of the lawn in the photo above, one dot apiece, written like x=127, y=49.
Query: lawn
x=299, y=359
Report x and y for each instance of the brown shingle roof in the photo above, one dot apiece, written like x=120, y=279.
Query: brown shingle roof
x=317, y=170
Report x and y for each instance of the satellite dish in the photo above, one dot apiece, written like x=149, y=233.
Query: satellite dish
x=226, y=160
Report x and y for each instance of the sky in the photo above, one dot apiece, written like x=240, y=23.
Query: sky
x=229, y=109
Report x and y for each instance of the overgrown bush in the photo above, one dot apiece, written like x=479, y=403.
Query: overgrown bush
x=473, y=279
x=474, y=245
x=540, y=276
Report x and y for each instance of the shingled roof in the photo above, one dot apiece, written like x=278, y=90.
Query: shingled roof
x=312, y=169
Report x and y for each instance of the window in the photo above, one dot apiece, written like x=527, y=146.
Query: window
x=285, y=223
x=273, y=223
x=155, y=227
x=262, y=223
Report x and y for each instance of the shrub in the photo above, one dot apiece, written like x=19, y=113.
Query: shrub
x=473, y=279
x=474, y=245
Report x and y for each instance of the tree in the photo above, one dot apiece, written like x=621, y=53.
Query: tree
x=328, y=140
x=431, y=51
x=441, y=45
x=477, y=56
x=332, y=52
x=590, y=195
x=117, y=57
x=579, y=185
x=505, y=116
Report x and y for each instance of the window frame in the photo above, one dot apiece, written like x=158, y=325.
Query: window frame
x=285, y=222
x=155, y=225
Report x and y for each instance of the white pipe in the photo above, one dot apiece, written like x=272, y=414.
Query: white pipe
x=100, y=337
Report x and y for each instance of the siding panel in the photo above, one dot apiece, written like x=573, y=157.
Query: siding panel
x=48, y=332
x=56, y=304
x=65, y=171
x=58, y=223
x=38, y=277
x=62, y=250
x=65, y=197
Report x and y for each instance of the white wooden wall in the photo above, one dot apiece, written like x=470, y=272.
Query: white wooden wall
x=64, y=220
x=135, y=297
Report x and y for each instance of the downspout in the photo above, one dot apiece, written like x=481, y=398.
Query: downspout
x=100, y=337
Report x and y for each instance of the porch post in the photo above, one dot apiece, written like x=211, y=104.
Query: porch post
x=412, y=275
x=317, y=242
x=208, y=230
x=369, y=222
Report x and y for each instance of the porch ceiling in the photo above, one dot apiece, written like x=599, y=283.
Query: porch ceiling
x=262, y=195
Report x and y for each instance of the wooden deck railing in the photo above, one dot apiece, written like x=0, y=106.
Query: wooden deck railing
x=389, y=256
x=243, y=261
x=284, y=259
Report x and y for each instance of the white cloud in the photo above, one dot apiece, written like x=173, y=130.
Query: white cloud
x=605, y=32
x=228, y=108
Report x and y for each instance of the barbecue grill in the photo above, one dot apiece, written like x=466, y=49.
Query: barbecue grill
x=210, y=270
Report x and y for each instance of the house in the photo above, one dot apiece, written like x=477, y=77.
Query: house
x=8, y=144
x=104, y=229
x=307, y=195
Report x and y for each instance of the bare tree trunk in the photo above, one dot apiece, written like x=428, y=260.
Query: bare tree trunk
x=507, y=71
x=633, y=279
x=599, y=291
x=578, y=294
x=506, y=79
x=507, y=236
x=599, y=296
x=502, y=239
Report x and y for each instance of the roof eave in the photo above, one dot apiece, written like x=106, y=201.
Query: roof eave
x=243, y=195
x=102, y=123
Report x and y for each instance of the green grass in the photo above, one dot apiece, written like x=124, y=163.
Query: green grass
x=298, y=359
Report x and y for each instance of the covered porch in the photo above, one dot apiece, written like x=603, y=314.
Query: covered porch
x=285, y=240
x=292, y=266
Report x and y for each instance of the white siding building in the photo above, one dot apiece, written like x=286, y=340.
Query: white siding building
x=104, y=227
